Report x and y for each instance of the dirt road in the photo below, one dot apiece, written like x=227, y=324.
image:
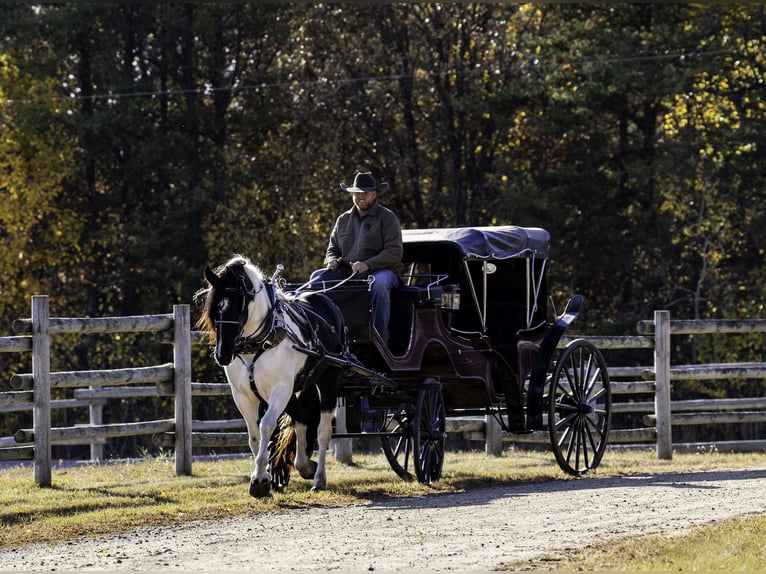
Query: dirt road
x=476, y=531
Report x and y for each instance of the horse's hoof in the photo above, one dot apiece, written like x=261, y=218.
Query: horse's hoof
x=260, y=489
x=309, y=473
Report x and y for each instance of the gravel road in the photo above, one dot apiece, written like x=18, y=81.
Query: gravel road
x=475, y=531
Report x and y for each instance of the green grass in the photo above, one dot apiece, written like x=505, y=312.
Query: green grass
x=98, y=499
x=722, y=547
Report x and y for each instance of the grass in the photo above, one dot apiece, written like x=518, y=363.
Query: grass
x=97, y=499
x=723, y=547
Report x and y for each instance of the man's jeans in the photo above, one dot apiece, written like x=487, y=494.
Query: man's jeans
x=383, y=281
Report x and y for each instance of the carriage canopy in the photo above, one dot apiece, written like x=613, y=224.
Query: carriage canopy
x=499, y=270
x=485, y=243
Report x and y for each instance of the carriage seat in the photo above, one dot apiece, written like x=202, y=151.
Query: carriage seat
x=527, y=347
x=404, y=301
x=419, y=294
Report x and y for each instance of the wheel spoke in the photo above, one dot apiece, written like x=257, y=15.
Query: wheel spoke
x=584, y=443
x=577, y=370
x=589, y=433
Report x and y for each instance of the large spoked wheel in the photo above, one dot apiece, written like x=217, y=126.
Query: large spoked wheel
x=579, y=407
x=415, y=436
x=429, y=433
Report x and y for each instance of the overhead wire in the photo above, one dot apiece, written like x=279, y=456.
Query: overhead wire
x=208, y=90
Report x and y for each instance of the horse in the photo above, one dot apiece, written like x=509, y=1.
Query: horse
x=258, y=331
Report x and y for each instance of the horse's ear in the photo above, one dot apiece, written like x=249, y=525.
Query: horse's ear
x=211, y=277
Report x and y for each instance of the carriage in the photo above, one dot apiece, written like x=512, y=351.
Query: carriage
x=470, y=335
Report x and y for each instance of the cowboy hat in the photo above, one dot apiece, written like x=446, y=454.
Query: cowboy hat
x=364, y=182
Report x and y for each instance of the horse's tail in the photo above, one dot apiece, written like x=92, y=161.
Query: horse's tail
x=282, y=451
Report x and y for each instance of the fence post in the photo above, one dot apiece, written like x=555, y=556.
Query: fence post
x=662, y=384
x=183, y=400
x=343, y=446
x=41, y=375
x=96, y=413
x=493, y=436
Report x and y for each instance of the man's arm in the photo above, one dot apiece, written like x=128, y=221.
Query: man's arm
x=333, y=254
x=391, y=254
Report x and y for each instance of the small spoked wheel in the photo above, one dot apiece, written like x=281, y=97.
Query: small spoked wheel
x=397, y=442
x=429, y=433
x=415, y=435
x=579, y=407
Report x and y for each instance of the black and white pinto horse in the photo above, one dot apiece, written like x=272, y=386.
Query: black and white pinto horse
x=258, y=329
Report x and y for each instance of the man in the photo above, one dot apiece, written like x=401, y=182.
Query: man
x=366, y=239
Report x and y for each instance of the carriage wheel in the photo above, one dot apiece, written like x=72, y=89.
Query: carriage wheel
x=579, y=407
x=415, y=435
x=429, y=433
x=397, y=443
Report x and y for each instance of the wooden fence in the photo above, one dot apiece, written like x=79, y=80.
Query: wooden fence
x=174, y=378
x=94, y=388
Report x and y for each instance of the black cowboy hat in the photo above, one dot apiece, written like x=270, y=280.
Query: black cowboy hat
x=364, y=182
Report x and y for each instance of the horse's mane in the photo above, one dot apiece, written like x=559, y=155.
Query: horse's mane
x=207, y=294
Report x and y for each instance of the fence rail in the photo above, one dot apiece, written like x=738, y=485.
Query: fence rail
x=93, y=388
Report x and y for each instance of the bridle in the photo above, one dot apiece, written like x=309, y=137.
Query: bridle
x=271, y=329
x=247, y=292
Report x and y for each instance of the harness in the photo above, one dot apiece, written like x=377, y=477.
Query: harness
x=269, y=333
x=274, y=329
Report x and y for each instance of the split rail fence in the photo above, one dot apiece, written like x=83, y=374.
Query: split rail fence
x=94, y=388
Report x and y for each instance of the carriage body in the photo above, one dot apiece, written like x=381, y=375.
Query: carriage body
x=470, y=330
x=469, y=296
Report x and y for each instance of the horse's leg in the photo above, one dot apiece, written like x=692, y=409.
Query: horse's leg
x=303, y=463
x=328, y=389
x=297, y=411
x=324, y=434
x=247, y=405
x=260, y=482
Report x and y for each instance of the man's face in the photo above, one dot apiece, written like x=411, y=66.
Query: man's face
x=363, y=200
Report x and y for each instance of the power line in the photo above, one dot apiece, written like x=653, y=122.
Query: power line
x=209, y=90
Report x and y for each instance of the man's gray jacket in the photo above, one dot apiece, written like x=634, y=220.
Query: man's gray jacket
x=374, y=237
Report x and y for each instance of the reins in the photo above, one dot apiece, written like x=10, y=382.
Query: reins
x=328, y=289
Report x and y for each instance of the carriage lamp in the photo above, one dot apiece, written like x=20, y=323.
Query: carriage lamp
x=451, y=297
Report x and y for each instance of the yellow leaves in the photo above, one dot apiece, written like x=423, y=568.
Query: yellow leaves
x=703, y=111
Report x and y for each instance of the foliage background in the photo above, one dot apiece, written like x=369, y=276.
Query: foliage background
x=140, y=142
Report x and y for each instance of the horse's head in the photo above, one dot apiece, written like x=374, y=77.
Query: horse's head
x=230, y=311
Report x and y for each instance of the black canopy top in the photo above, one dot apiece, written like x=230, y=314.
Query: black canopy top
x=486, y=243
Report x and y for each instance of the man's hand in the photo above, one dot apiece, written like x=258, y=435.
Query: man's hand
x=360, y=267
x=332, y=265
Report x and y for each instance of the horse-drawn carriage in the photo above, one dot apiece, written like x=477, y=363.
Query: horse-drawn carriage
x=470, y=335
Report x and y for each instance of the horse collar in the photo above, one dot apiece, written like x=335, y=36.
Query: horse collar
x=271, y=329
